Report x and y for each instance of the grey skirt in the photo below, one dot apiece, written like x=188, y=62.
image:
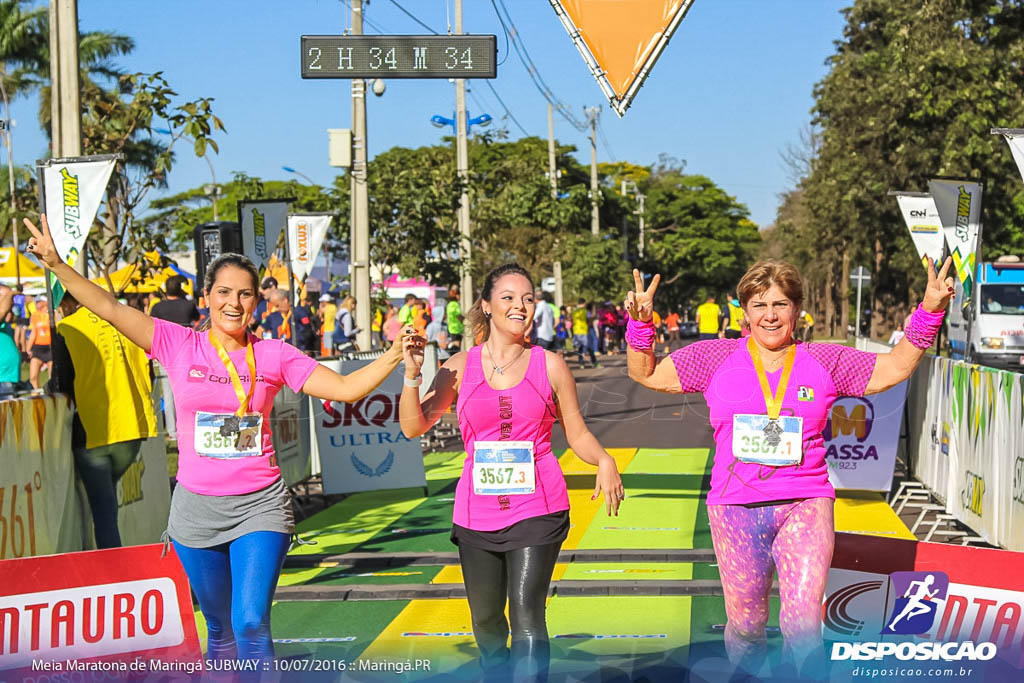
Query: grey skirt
x=201, y=521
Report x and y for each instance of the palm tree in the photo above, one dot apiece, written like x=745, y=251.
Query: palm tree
x=25, y=44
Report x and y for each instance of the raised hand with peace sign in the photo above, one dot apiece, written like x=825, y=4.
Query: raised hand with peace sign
x=640, y=301
x=940, y=287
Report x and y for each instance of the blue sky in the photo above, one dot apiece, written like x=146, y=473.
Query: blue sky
x=731, y=90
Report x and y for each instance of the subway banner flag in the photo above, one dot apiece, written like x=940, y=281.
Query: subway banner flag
x=959, y=205
x=72, y=190
x=262, y=223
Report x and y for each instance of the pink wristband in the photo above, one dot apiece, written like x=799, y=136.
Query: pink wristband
x=923, y=326
x=640, y=335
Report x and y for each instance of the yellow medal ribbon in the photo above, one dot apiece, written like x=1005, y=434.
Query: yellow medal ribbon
x=772, y=402
x=250, y=361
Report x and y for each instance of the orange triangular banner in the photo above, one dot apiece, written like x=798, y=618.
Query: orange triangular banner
x=620, y=40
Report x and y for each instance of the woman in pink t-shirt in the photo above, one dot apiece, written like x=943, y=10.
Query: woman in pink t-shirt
x=230, y=513
x=511, y=510
x=769, y=396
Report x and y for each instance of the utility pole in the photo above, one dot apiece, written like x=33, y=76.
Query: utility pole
x=640, y=212
x=595, y=218
x=462, y=168
x=65, y=112
x=553, y=176
x=360, y=237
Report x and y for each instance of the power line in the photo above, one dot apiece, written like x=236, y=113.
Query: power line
x=531, y=68
x=413, y=17
x=604, y=142
x=508, y=112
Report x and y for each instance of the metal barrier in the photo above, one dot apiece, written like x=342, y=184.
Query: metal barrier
x=966, y=444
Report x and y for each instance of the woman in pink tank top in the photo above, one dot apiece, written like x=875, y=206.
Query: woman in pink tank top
x=511, y=505
x=769, y=396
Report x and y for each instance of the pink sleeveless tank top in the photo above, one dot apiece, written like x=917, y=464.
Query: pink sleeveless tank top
x=525, y=412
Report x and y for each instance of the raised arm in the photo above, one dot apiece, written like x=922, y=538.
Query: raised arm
x=129, y=321
x=899, y=364
x=580, y=438
x=332, y=386
x=641, y=363
x=415, y=414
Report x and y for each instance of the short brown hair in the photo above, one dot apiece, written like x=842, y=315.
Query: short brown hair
x=760, y=277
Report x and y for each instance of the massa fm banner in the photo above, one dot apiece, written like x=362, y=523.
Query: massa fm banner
x=620, y=40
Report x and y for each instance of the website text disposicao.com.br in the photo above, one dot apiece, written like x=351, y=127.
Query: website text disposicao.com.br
x=895, y=672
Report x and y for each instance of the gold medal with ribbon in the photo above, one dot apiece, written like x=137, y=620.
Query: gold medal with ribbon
x=773, y=402
x=243, y=397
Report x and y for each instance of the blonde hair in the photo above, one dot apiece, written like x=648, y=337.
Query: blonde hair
x=348, y=303
x=760, y=277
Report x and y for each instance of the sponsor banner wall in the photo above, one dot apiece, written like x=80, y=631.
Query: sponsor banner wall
x=966, y=426
x=924, y=224
x=361, y=446
x=305, y=236
x=127, y=606
x=73, y=190
x=983, y=601
x=262, y=223
x=289, y=422
x=37, y=478
x=144, y=491
x=861, y=439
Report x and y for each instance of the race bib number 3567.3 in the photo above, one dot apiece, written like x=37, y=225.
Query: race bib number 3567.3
x=758, y=440
x=503, y=468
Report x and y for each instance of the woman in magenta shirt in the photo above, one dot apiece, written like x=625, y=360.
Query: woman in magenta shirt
x=769, y=396
x=511, y=505
x=231, y=514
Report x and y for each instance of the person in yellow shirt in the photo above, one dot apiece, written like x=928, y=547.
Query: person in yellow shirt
x=327, y=311
x=808, y=325
x=732, y=326
x=107, y=377
x=580, y=332
x=708, y=317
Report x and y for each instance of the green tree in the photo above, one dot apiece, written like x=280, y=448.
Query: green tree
x=701, y=239
x=911, y=93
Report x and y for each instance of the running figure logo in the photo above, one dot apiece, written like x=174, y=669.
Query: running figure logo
x=915, y=611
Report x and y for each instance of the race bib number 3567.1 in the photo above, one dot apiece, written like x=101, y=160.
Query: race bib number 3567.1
x=212, y=440
x=759, y=440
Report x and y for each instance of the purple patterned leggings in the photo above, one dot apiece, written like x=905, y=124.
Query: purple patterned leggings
x=794, y=538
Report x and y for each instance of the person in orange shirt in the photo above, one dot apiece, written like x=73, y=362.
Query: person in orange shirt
x=672, y=325
x=419, y=317
x=40, y=353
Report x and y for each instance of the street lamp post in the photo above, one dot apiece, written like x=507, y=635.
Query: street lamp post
x=461, y=128
x=305, y=177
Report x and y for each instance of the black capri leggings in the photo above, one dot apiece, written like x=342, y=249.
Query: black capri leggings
x=521, y=576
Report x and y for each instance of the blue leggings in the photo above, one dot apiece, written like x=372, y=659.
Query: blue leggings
x=234, y=583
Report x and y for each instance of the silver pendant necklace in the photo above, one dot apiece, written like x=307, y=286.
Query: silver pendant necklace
x=500, y=369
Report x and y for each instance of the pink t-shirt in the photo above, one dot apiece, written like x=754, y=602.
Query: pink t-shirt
x=723, y=371
x=525, y=412
x=200, y=382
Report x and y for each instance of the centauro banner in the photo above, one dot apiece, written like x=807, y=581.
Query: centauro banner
x=305, y=235
x=922, y=219
x=262, y=223
x=72, y=191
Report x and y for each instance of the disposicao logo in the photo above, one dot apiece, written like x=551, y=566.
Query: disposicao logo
x=915, y=611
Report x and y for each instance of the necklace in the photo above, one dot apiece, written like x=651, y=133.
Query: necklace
x=500, y=369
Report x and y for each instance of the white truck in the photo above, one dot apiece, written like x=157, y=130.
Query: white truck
x=997, y=328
